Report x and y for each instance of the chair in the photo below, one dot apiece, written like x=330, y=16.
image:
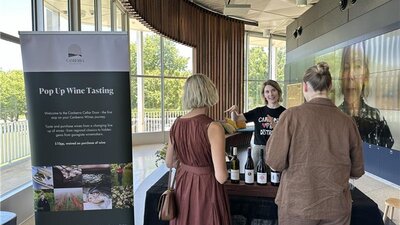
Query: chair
x=390, y=203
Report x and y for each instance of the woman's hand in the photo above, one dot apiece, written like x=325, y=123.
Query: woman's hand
x=271, y=120
x=233, y=108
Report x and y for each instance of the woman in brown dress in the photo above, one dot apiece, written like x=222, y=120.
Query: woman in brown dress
x=197, y=144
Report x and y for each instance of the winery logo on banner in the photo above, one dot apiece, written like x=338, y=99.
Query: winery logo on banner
x=75, y=55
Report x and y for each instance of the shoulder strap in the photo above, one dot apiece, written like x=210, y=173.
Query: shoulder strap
x=171, y=179
x=171, y=175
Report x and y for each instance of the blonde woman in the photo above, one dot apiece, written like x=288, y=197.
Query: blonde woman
x=197, y=143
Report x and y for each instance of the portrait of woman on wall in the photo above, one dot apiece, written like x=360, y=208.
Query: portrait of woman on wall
x=354, y=78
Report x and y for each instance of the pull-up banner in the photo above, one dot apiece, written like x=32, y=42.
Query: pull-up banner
x=78, y=96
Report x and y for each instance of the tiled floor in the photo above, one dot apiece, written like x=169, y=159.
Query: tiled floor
x=144, y=165
x=378, y=190
x=15, y=174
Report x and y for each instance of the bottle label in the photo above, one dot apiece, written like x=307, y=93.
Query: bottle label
x=249, y=176
x=234, y=174
x=275, y=177
x=262, y=178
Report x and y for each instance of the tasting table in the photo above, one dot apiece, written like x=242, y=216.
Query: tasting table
x=249, y=207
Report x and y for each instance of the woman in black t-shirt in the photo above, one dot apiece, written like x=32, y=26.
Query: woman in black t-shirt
x=265, y=118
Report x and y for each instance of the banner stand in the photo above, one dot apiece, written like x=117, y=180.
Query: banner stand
x=78, y=96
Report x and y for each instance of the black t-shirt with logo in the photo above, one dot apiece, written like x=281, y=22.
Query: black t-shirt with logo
x=262, y=128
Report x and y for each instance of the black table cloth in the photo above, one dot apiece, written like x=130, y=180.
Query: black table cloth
x=8, y=218
x=260, y=210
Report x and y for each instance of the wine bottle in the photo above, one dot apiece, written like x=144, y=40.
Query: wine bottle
x=261, y=170
x=234, y=167
x=275, y=177
x=249, y=168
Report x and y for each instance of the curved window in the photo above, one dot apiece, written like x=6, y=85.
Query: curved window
x=159, y=68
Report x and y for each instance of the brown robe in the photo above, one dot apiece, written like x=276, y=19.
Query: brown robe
x=318, y=148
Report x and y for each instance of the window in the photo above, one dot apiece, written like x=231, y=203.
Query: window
x=257, y=71
x=278, y=59
x=177, y=61
x=266, y=59
x=56, y=15
x=119, y=19
x=87, y=15
x=159, y=68
x=106, y=15
x=15, y=167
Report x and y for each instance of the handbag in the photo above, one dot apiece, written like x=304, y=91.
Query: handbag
x=167, y=209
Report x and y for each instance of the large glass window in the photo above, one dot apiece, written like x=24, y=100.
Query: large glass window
x=278, y=59
x=87, y=15
x=15, y=166
x=105, y=15
x=177, y=61
x=119, y=19
x=266, y=58
x=55, y=15
x=159, y=68
x=257, y=71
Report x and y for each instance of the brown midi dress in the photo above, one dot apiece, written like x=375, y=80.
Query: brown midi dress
x=201, y=199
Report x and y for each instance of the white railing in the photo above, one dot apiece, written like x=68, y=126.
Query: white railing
x=14, y=138
x=14, y=141
x=152, y=121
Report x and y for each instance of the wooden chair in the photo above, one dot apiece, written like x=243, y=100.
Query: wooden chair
x=390, y=203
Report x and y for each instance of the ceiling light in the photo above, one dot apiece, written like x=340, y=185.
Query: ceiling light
x=342, y=4
x=236, y=9
x=295, y=34
x=299, y=30
x=301, y=3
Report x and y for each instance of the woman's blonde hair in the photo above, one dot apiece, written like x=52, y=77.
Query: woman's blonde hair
x=199, y=91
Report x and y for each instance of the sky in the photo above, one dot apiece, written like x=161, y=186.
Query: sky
x=14, y=16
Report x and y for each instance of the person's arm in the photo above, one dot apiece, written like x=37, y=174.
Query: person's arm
x=216, y=136
x=278, y=145
x=272, y=121
x=356, y=153
x=238, y=116
x=169, y=158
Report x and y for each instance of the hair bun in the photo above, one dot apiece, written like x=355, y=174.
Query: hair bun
x=322, y=68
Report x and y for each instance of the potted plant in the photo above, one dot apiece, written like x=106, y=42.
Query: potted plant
x=160, y=155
